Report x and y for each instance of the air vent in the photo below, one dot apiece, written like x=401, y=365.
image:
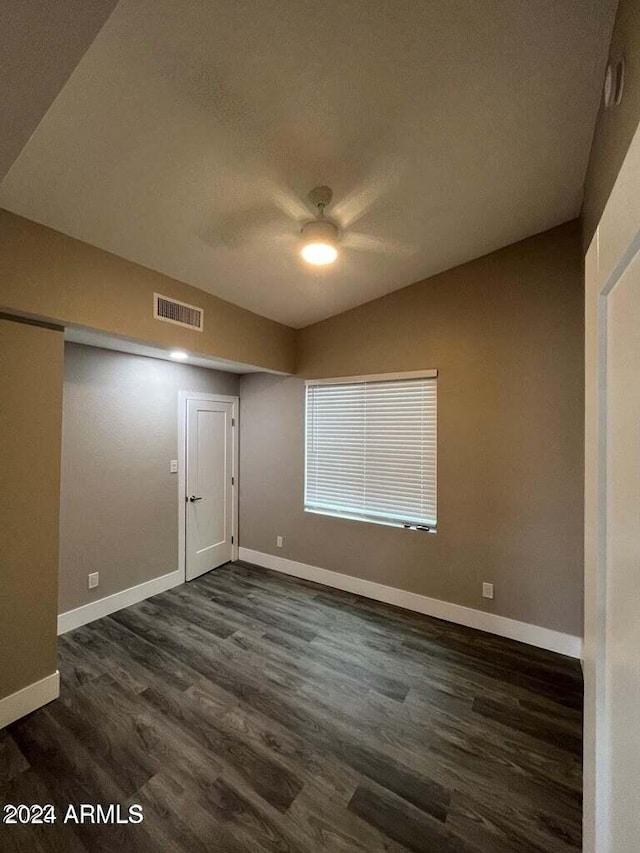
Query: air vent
x=181, y=313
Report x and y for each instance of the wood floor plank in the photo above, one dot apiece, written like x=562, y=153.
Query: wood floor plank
x=12, y=761
x=532, y=724
x=502, y=826
x=269, y=779
x=524, y=766
x=149, y=655
x=399, y=820
x=242, y=605
x=322, y=771
x=74, y=777
x=249, y=824
x=175, y=607
x=330, y=825
x=29, y=788
x=308, y=653
x=186, y=825
x=76, y=666
x=126, y=670
x=105, y=741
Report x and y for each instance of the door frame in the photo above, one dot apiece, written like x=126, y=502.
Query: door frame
x=614, y=247
x=183, y=398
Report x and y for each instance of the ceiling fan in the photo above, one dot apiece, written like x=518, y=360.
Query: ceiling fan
x=320, y=238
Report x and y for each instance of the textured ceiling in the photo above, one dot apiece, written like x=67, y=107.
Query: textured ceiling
x=190, y=134
x=41, y=42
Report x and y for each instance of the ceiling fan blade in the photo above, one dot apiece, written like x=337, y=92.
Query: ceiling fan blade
x=276, y=217
x=385, y=175
x=370, y=243
x=237, y=229
x=289, y=204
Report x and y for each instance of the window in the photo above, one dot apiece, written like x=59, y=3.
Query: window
x=371, y=448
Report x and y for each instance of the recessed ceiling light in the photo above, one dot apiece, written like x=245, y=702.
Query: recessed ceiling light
x=179, y=355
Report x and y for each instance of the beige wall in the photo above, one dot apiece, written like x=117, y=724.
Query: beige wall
x=51, y=276
x=616, y=126
x=506, y=334
x=119, y=510
x=30, y=424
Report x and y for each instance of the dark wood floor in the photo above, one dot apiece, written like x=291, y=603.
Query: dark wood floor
x=248, y=711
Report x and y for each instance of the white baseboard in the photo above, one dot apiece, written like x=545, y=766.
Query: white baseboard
x=533, y=635
x=29, y=699
x=111, y=603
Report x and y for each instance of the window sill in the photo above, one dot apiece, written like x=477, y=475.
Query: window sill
x=397, y=524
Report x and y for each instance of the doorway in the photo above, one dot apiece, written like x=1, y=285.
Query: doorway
x=208, y=482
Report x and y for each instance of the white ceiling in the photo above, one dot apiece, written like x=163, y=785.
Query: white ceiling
x=191, y=132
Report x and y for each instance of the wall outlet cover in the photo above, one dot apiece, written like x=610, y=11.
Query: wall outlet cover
x=94, y=580
x=173, y=466
x=487, y=590
x=279, y=541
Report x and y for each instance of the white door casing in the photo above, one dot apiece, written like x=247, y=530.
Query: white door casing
x=612, y=522
x=208, y=452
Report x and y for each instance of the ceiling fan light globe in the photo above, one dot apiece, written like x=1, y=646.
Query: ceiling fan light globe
x=319, y=242
x=319, y=253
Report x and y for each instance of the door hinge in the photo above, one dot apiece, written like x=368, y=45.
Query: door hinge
x=232, y=540
x=233, y=481
x=233, y=421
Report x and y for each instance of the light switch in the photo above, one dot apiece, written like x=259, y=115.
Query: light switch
x=173, y=466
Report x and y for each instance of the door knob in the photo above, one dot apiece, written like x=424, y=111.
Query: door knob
x=194, y=498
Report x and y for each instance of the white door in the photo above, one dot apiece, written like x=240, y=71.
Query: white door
x=612, y=522
x=209, y=485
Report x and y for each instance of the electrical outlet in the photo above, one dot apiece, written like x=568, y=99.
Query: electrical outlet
x=173, y=466
x=279, y=541
x=487, y=590
x=94, y=580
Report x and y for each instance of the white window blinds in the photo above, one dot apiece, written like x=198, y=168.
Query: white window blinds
x=371, y=449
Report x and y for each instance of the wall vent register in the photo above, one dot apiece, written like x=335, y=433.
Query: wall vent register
x=181, y=313
x=371, y=449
